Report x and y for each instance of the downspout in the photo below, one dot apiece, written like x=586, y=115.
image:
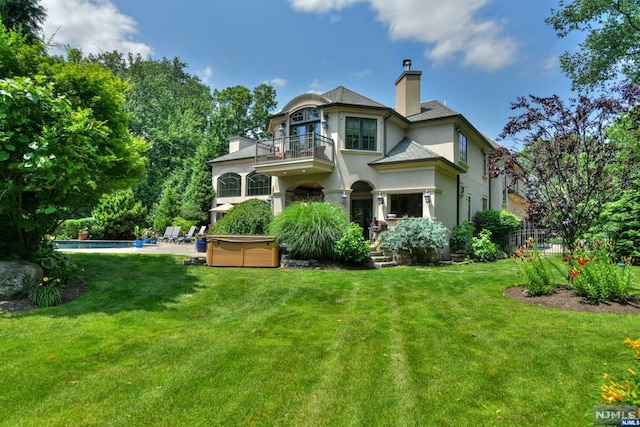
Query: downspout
x=384, y=142
x=458, y=199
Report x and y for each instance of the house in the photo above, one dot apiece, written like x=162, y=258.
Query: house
x=420, y=159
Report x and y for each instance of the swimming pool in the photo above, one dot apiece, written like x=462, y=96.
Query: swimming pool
x=93, y=244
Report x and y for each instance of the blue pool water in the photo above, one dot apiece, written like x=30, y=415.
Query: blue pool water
x=93, y=244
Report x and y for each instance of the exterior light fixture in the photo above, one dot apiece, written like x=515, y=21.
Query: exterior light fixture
x=380, y=199
x=282, y=130
x=270, y=201
x=344, y=197
x=427, y=197
x=461, y=189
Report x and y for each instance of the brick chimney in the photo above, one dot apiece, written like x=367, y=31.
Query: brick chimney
x=408, y=90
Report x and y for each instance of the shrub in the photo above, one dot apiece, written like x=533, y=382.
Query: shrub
x=460, y=240
x=251, y=217
x=352, y=248
x=310, y=229
x=58, y=269
x=535, y=270
x=415, y=240
x=116, y=215
x=185, y=224
x=499, y=223
x=595, y=275
x=70, y=228
x=482, y=248
x=627, y=393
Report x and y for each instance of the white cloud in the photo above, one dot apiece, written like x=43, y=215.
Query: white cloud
x=206, y=74
x=94, y=26
x=278, y=82
x=315, y=85
x=321, y=5
x=551, y=63
x=362, y=73
x=450, y=29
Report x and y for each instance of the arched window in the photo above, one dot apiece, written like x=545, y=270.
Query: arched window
x=302, y=123
x=258, y=184
x=229, y=185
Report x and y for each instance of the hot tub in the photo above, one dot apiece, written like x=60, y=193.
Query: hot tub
x=242, y=251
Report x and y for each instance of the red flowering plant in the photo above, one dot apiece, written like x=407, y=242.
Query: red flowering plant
x=595, y=274
x=534, y=268
x=626, y=392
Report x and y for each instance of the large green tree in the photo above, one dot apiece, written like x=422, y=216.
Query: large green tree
x=64, y=142
x=24, y=15
x=169, y=107
x=612, y=43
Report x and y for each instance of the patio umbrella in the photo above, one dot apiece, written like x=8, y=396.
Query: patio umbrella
x=226, y=207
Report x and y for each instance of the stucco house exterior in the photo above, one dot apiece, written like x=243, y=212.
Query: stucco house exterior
x=377, y=162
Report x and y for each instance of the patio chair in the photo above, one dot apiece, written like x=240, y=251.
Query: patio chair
x=202, y=230
x=175, y=231
x=167, y=234
x=189, y=236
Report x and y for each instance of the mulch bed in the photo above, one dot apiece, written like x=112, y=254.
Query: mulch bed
x=565, y=299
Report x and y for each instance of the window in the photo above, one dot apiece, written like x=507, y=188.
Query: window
x=301, y=123
x=462, y=138
x=229, y=185
x=361, y=134
x=485, y=203
x=258, y=184
x=485, y=161
x=505, y=190
x=469, y=208
x=406, y=204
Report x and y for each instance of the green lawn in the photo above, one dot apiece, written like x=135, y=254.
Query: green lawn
x=157, y=343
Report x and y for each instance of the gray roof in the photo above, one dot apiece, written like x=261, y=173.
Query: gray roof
x=342, y=95
x=408, y=150
x=433, y=109
x=405, y=151
x=245, y=153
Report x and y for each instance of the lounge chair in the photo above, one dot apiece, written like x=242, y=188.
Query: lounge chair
x=189, y=237
x=167, y=234
x=175, y=231
x=202, y=230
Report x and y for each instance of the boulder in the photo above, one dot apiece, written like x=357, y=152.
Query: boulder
x=18, y=278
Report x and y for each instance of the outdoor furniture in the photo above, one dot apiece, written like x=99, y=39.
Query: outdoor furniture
x=167, y=234
x=173, y=235
x=188, y=238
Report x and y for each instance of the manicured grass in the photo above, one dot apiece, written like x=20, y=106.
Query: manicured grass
x=157, y=343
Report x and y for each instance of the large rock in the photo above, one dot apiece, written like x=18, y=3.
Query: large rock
x=18, y=278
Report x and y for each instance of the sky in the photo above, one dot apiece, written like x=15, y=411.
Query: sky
x=477, y=56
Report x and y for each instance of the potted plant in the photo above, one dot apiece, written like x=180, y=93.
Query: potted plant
x=83, y=234
x=138, y=242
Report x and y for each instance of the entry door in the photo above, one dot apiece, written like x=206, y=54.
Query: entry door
x=362, y=214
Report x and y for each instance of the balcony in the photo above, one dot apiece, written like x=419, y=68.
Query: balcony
x=295, y=155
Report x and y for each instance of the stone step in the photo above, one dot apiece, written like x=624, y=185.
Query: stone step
x=385, y=264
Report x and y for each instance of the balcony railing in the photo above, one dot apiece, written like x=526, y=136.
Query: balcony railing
x=309, y=146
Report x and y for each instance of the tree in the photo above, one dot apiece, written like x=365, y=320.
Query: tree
x=117, y=214
x=612, y=44
x=569, y=165
x=167, y=106
x=23, y=15
x=64, y=142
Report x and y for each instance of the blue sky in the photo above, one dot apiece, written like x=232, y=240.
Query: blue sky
x=475, y=55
